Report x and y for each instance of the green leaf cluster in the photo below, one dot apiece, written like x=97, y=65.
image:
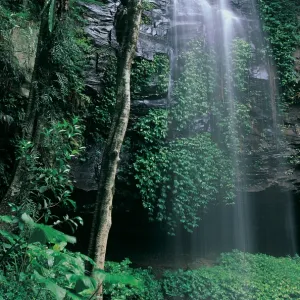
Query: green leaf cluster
x=59, y=91
x=100, y=110
x=179, y=180
x=47, y=183
x=181, y=168
x=147, y=77
x=37, y=265
x=237, y=276
x=282, y=25
x=241, y=56
x=194, y=88
x=144, y=286
x=146, y=74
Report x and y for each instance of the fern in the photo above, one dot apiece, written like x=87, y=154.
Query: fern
x=63, y=84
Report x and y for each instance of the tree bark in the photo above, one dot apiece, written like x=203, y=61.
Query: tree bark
x=102, y=215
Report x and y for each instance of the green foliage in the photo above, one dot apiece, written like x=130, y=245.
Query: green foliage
x=148, y=288
x=11, y=76
x=144, y=74
x=178, y=163
x=232, y=115
x=147, y=73
x=281, y=23
x=179, y=180
x=60, y=88
x=194, y=88
x=29, y=10
x=47, y=168
x=238, y=276
x=100, y=111
x=64, y=68
x=40, y=266
x=241, y=55
x=153, y=127
x=12, y=79
x=51, y=14
x=147, y=6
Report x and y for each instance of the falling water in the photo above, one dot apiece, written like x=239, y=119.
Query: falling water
x=219, y=24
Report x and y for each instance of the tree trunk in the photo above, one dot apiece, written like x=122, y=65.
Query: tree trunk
x=32, y=123
x=102, y=214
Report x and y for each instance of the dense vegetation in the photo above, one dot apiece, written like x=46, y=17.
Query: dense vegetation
x=179, y=160
x=238, y=276
x=281, y=23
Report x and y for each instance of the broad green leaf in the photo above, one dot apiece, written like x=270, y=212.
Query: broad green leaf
x=51, y=15
x=45, y=233
x=43, y=189
x=116, y=278
x=83, y=282
x=27, y=219
x=59, y=246
x=12, y=238
x=51, y=286
x=6, y=219
x=75, y=297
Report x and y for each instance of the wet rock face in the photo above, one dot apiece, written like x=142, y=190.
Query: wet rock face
x=280, y=165
x=100, y=28
x=153, y=37
x=84, y=173
x=161, y=33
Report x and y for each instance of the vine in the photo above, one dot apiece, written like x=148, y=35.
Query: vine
x=146, y=73
x=100, y=110
x=193, y=91
x=180, y=179
x=174, y=167
x=281, y=23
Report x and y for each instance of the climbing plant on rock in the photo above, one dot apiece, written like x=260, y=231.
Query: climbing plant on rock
x=150, y=73
x=179, y=161
x=179, y=180
x=281, y=23
x=194, y=88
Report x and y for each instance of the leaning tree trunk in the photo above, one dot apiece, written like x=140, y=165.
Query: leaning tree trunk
x=32, y=123
x=102, y=215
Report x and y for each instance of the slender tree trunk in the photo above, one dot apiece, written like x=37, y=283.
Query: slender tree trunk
x=102, y=215
x=33, y=116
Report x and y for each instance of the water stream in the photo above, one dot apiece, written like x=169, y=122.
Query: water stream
x=218, y=23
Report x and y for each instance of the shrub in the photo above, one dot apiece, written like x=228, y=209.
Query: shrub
x=148, y=289
x=238, y=276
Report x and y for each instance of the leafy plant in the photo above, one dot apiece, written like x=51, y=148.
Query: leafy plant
x=37, y=265
x=149, y=288
x=179, y=180
x=181, y=151
x=240, y=55
x=146, y=73
x=238, y=276
x=100, y=111
x=281, y=23
x=48, y=182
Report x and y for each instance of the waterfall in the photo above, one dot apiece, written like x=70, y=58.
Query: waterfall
x=219, y=24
